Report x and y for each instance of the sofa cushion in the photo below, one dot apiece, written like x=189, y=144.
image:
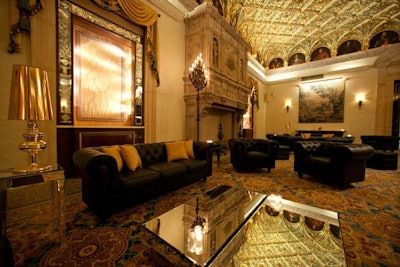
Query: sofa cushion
x=189, y=149
x=133, y=182
x=115, y=152
x=176, y=151
x=169, y=170
x=194, y=165
x=318, y=160
x=255, y=156
x=131, y=157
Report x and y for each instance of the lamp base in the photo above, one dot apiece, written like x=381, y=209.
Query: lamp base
x=33, y=168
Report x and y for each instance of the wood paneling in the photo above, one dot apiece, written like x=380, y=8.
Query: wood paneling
x=70, y=140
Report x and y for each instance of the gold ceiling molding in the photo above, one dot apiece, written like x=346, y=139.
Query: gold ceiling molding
x=280, y=29
x=360, y=60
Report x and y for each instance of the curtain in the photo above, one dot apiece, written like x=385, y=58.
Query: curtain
x=141, y=14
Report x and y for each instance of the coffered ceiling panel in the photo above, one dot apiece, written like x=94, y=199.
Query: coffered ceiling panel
x=282, y=28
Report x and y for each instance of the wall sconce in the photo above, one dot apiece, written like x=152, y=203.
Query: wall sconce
x=288, y=104
x=360, y=98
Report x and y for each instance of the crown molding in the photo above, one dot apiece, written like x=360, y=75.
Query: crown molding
x=171, y=7
x=377, y=57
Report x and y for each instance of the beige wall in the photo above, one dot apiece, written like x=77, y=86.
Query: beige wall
x=170, y=108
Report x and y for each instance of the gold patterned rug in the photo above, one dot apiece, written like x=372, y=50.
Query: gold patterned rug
x=100, y=246
x=369, y=215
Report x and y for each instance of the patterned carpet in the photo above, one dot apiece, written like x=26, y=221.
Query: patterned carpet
x=369, y=217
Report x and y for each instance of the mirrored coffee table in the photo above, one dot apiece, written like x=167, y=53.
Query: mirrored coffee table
x=228, y=226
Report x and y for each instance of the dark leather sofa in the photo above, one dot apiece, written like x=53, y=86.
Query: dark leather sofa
x=251, y=154
x=337, y=163
x=105, y=190
x=289, y=140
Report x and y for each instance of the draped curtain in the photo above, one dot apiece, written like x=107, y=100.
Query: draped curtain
x=143, y=15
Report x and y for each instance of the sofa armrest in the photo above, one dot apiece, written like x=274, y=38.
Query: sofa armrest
x=97, y=168
x=204, y=151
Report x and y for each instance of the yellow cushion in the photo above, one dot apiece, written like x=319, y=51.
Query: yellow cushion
x=114, y=151
x=189, y=149
x=176, y=150
x=327, y=135
x=305, y=135
x=131, y=157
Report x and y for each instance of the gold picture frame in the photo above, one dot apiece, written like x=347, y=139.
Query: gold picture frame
x=322, y=101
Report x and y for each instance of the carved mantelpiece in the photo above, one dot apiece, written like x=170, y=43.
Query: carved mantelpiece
x=224, y=53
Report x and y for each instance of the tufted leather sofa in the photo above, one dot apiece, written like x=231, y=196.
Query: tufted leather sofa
x=289, y=140
x=251, y=154
x=338, y=163
x=106, y=190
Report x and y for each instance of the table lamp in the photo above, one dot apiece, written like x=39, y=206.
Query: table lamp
x=30, y=100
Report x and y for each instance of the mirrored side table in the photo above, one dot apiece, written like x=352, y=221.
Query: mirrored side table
x=25, y=187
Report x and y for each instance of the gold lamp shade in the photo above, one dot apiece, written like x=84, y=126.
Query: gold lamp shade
x=30, y=100
x=30, y=94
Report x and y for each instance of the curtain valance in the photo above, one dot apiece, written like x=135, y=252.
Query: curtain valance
x=143, y=15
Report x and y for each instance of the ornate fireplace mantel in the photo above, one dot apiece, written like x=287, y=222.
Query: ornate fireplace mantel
x=224, y=53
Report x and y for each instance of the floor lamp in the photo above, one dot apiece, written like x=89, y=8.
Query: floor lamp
x=198, y=78
x=30, y=100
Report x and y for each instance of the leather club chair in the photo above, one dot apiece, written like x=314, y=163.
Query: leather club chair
x=337, y=163
x=251, y=154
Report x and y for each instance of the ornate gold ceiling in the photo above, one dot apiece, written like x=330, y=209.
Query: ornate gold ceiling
x=282, y=28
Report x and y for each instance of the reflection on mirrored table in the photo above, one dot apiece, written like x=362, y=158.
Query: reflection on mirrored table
x=228, y=226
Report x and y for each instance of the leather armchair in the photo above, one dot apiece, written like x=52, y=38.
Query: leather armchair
x=338, y=163
x=386, y=151
x=251, y=154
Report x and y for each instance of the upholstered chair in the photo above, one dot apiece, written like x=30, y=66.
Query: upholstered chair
x=251, y=154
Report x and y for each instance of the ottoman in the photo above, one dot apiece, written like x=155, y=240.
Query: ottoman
x=383, y=160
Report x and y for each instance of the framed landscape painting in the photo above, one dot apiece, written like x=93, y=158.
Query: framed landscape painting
x=322, y=102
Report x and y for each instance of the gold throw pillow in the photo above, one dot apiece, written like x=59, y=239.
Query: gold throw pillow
x=176, y=150
x=189, y=149
x=131, y=157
